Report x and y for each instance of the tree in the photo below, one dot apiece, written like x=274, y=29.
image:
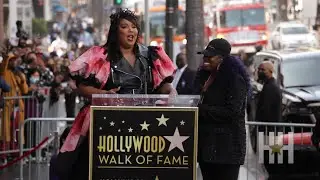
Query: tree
x=39, y=27
x=194, y=32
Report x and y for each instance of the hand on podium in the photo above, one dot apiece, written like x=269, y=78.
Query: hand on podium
x=112, y=91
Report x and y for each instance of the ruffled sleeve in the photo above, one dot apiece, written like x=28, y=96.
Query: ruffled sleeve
x=91, y=68
x=163, y=68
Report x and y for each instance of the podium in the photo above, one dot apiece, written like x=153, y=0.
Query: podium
x=143, y=137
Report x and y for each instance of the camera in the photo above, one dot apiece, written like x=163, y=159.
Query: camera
x=47, y=77
x=40, y=97
x=22, y=35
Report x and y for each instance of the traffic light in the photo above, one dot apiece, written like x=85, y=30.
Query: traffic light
x=118, y=2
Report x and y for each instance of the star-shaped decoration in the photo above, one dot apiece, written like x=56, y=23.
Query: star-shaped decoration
x=123, y=122
x=176, y=140
x=112, y=123
x=130, y=129
x=119, y=130
x=144, y=126
x=182, y=123
x=276, y=149
x=100, y=128
x=157, y=178
x=162, y=120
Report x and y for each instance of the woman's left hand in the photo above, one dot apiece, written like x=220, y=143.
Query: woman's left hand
x=167, y=88
x=173, y=92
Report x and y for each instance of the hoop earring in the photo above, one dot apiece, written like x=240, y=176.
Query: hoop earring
x=218, y=67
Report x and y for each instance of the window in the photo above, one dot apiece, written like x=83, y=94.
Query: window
x=20, y=13
x=301, y=72
x=242, y=17
x=158, y=23
x=27, y=12
x=295, y=30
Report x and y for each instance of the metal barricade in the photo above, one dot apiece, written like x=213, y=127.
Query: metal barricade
x=279, y=135
x=48, y=144
x=274, y=145
x=15, y=111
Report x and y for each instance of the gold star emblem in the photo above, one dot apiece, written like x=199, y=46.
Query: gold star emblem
x=162, y=120
x=276, y=149
x=144, y=126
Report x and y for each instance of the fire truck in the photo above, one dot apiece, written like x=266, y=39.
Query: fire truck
x=242, y=23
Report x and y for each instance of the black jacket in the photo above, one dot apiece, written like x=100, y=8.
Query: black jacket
x=269, y=103
x=222, y=135
x=316, y=135
x=185, y=84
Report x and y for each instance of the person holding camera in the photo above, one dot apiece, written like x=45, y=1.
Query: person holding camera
x=31, y=106
x=34, y=62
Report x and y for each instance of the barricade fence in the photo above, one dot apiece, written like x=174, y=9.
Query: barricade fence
x=268, y=144
x=15, y=111
x=278, y=148
x=51, y=146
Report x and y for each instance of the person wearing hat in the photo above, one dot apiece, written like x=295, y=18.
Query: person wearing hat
x=223, y=83
x=17, y=81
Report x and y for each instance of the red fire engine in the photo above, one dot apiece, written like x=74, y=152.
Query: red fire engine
x=242, y=23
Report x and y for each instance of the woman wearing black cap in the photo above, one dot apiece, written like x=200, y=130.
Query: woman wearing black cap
x=223, y=83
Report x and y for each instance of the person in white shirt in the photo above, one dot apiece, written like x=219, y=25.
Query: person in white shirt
x=183, y=79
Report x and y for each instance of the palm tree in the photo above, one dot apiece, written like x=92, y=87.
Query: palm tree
x=194, y=31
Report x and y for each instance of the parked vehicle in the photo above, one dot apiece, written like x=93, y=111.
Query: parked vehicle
x=292, y=35
x=297, y=72
x=242, y=23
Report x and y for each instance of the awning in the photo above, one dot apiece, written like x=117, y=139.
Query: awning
x=59, y=8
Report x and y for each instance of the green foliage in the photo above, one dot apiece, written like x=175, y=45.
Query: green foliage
x=39, y=26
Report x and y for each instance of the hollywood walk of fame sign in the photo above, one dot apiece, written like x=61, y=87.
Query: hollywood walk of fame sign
x=143, y=143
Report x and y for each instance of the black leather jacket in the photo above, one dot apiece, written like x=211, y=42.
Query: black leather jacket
x=131, y=80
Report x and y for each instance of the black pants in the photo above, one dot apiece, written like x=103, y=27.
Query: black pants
x=212, y=171
x=70, y=104
x=74, y=165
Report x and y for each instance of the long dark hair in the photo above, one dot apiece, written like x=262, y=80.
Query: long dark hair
x=31, y=72
x=232, y=65
x=112, y=47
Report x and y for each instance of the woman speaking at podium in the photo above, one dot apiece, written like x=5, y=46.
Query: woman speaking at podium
x=120, y=66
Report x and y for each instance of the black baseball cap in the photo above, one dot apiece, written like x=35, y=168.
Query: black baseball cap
x=216, y=47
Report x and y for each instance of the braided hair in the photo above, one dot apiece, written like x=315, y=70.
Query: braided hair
x=112, y=47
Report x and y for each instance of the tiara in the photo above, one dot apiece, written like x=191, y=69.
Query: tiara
x=122, y=13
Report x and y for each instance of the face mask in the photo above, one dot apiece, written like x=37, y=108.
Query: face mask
x=34, y=80
x=261, y=76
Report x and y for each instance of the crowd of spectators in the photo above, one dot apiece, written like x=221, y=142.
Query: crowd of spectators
x=29, y=77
